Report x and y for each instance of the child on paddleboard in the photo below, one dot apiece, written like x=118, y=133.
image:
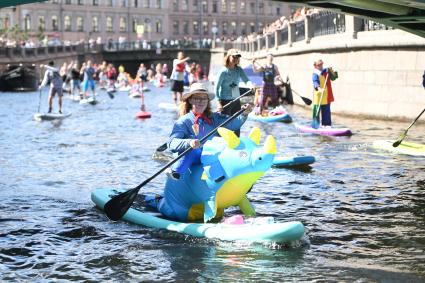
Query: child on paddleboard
x=196, y=121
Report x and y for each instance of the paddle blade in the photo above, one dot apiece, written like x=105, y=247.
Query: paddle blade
x=315, y=124
x=117, y=206
x=162, y=147
x=398, y=142
x=306, y=100
x=111, y=96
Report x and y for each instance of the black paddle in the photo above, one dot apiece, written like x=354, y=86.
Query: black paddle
x=402, y=136
x=164, y=146
x=305, y=99
x=117, y=206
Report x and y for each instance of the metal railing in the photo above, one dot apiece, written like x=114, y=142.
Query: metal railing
x=299, y=31
x=327, y=23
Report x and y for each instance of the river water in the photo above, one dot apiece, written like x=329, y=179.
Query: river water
x=364, y=210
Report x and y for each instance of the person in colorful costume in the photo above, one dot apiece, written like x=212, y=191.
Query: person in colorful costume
x=323, y=95
x=269, y=90
x=196, y=121
x=177, y=75
x=228, y=168
x=227, y=85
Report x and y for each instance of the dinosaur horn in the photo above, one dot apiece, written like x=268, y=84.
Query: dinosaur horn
x=229, y=136
x=255, y=135
x=270, y=145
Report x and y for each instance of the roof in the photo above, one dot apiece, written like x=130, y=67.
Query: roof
x=408, y=15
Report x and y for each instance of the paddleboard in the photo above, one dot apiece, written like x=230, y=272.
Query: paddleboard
x=135, y=94
x=168, y=106
x=124, y=88
x=146, y=89
x=408, y=148
x=50, y=116
x=143, y=114
x=285, y=117
x=89, y=100
x=293, y=161
x=324, y=131
x=285, y=232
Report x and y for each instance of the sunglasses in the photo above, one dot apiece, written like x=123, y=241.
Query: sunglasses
x=236, y=56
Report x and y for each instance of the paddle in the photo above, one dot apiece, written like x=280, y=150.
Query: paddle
x=402, y=136
x=305, y=99
x=315, y=123
x=118, y=205
x=39, y=100
x=164, y=146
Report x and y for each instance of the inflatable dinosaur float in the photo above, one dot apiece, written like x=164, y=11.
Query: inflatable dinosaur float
x=229, y=168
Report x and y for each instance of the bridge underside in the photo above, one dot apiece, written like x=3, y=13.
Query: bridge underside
x=408, y=15
x=10, y=3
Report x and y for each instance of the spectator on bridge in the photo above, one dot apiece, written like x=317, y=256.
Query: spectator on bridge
x=423, y=80
x=177, y=76
x=227, y=85
x=52, y=77
x=269, y=91
x=323, y=95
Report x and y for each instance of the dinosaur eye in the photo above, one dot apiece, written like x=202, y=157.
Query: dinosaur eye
x=260, y=158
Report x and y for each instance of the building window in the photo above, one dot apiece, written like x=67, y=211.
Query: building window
x=195, y=27
x=158, y=26
x=175, y=5
x=109, y=24
x=251, y=27
x=224, y=28
x=195, y=5
x=67, y=23
x=135, y=22
x=204, y=6
x=233, y=28
x=80, y=24
x=271, y=9
x=123, y=24
x=243, y=28
x=110, y=3
x=136, y=3
x=215, y=7
x=242, y=8
x=55, y=1
x=146, y=4
x=185, y=27
x=159, y=4
x=224, y=6
x=123, y=3
x=252, y=8
x=261, y=8
x=41, y=23
x=260, y=27
x=68, y=2
x=27, y=22
x=176, y=27
x=80, y=2
x=233, y=7
x=205, y=28
x=95, y=2
x=185, y=5
x=95, y=24
x=54, y=23
x=277, y=11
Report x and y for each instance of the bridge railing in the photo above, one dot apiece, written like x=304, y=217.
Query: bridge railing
x=144, y=45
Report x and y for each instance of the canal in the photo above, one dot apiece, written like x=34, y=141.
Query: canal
x=364, y=210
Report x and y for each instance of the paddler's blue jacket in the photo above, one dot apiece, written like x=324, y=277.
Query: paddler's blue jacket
x=182, y=131
x=228, y=79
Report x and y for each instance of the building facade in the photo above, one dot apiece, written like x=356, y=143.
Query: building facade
x=152, y=20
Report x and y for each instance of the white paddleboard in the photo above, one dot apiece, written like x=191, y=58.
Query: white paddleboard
x=168, y=106
x=50, y=116
x=89, y=100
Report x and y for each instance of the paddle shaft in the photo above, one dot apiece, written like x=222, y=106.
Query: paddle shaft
x=39, y=101
x=164, y=145
x=405, y=132
x=305, y=99
x=202, y=140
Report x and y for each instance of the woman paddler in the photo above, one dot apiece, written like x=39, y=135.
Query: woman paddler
x=196, y=121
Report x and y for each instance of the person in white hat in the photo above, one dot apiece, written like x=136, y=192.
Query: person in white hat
x=227, y=84
x=196, y=121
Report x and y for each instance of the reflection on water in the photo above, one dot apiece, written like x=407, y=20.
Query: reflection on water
x=364, y=209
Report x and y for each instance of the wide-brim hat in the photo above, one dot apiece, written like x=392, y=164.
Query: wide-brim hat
x=197, y=88
x=234, y=52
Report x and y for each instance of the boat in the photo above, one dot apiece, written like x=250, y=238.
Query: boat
x=324, y=131
x=252, y=231
x=408, y=148
x=297, y=161
x=50, y=116
x=19, y=78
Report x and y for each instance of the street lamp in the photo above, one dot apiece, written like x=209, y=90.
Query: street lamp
x=214, y=31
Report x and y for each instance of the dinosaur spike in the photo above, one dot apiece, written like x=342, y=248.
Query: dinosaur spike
x=229, y=136
x=255, y=135
x=270, y=145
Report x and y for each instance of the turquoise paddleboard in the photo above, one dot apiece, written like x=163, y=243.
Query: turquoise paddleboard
x=293, y=161
x=254, y=232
